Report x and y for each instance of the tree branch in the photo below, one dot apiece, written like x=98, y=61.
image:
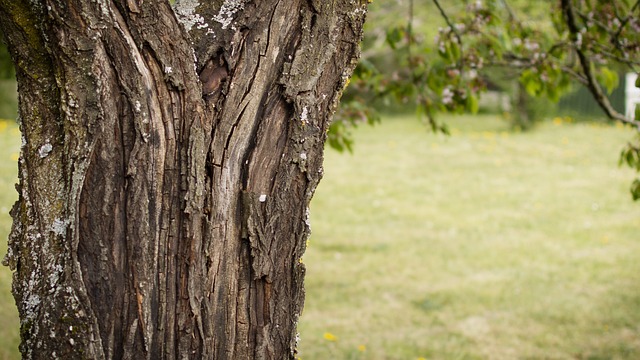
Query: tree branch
x=587, y=69
x=452, y=27
x=626, y=20
x=607, y=53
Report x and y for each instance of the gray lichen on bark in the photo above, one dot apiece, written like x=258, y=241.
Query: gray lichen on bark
x=186, y=12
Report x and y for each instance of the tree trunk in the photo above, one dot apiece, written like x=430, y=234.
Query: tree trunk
x=169, y=156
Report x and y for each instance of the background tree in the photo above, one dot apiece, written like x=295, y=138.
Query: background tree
x=546, y=45
x=169, y=155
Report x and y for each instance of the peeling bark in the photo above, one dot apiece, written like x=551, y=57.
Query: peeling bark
x=168, y=162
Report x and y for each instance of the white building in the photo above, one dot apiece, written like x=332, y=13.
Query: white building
x=631, y=95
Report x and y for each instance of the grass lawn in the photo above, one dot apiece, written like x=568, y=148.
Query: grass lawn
x=9, y=323
x=482, y=245
x=8, y=99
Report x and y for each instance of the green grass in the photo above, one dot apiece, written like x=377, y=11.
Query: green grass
x=9, y=148
x=8, y=99
x=482, y=245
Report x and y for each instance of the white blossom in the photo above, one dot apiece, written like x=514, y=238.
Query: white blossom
x=447, y=96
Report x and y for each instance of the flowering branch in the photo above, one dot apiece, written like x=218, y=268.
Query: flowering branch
x=587, y=68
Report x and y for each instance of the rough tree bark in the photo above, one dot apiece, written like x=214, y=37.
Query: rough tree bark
x=169, y=155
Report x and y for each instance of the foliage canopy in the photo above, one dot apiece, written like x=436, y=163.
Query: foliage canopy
x=546, y=45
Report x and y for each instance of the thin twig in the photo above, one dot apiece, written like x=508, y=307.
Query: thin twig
x=626, y=20
x=601, y=49
x=453, y=29
x=521, y=64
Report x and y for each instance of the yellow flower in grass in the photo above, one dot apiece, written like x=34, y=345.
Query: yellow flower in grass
x=329, y=336
x=15, y=156
x=362, y=348
x=3, y=125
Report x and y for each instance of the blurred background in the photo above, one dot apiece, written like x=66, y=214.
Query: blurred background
x=512, y=237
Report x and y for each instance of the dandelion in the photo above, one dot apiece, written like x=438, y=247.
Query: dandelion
x=329, y=336
x=362, y=348
x=489, y=135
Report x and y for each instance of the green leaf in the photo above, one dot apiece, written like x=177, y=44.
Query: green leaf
x=553, y=94
x=495, y=44
x=505, y=41
x=394, y=36
x=635, y=190
x=455, y=50
x=531, y=82
x=472, y=104
x=608, y=78
x=532, y=86
x=365, y=68
x=629, y=158
x=623, y=156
